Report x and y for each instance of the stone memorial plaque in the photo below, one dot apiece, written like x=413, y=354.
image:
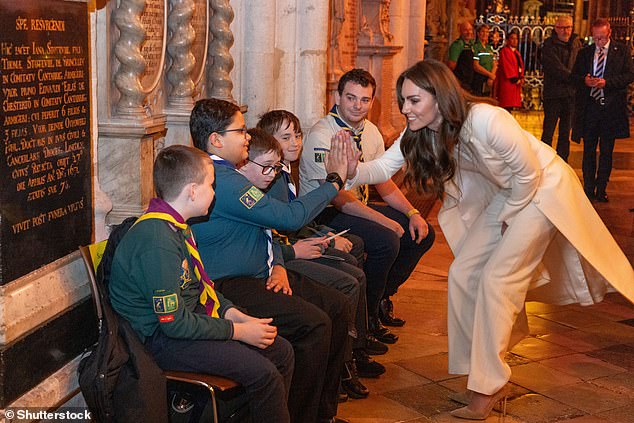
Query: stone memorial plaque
x=45, y=154
x=153, y=47
x=200, y=22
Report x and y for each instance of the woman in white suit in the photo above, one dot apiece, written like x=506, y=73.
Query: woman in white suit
x=514, y=214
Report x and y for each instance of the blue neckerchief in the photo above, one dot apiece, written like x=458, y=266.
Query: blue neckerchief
x=289, y=183
x=221, y=161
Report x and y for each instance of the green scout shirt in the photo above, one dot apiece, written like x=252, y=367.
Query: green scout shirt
x=153, y=285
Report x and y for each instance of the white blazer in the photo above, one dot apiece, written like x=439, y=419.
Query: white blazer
x=495, y=154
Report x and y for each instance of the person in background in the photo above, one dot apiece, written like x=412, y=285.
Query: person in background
x=602, y=72
x=558, y=57
x=484, y=63
x=460, y=59
x=510, y=74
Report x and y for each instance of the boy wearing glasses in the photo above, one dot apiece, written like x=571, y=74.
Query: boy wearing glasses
x=236, y=241
x=558, y=56
x=285, y=127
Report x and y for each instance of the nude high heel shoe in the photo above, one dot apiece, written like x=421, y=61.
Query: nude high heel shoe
x=467, y=413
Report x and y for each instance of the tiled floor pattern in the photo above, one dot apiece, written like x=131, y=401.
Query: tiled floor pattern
x=576, y=367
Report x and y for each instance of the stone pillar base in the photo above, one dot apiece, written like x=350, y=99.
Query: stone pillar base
x=126, y=156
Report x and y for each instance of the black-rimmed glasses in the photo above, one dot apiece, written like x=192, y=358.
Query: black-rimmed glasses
x=266, y=170
x=242, y=130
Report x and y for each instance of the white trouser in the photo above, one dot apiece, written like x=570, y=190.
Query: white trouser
x=488, y=281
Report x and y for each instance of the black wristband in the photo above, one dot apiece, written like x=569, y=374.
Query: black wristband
x=335, y=178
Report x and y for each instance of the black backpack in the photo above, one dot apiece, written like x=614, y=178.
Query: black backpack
x=119, y=379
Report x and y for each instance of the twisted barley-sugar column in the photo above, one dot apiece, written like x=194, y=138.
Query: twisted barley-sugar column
x=128, y=51
x=221, y=62
x=179, y=48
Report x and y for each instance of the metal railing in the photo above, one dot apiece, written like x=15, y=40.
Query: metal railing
x=533, y=31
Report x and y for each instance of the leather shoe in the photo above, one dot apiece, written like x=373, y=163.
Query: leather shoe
x=342, y=395
x=590, y=194
x=365, y=366
x=386, y=314
x=351, y=383
x=602, y=197
x=374, y=347
x=380, y=332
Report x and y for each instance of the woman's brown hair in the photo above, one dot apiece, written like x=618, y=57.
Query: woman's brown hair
x=429, y=155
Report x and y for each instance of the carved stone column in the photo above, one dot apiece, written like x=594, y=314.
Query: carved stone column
x=436, y=29
x=128, y=51
x=312, y=44
x=179, y=47
x=220, y=60
x=125, y=164
x=258, y=59
x=184, y=39
x=343, y=37
x=286, y=55
x=376, y=54
x=417, y=30
x=131, y=98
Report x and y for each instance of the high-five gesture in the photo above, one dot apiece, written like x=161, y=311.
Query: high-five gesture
x=337, y=158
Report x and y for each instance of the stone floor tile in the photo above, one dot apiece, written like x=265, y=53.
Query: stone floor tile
x=611, y=311
x=622, y=383
x=535, y=408
x=620, y=415
x=620, y=355
x=579, y=341
x=432, y=367
x=427, y=400
x=534, y=307
x=582, y=366
x=376, y=409
x=538, y=378
x=573, y=318
x=541, y=326
x=494, y=417
x=412, y=345
x=617, y=331
x=586, y=419
x=394, y=378
x=515, y=360
x=537, y=349
x=587, y=397
x=456, y=384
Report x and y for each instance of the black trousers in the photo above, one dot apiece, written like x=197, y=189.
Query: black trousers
x=596, y=134
x=265, y=374
x=315, y=321
x=558, y=109
x=390, y=259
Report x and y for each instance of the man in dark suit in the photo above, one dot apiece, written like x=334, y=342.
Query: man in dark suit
x=602, y=72
x=558, y=56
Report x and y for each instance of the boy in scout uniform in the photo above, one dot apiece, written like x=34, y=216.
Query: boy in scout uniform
x=236, y=241
x=159, y=285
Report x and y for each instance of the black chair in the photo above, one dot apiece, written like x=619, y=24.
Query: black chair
x=213, y=384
